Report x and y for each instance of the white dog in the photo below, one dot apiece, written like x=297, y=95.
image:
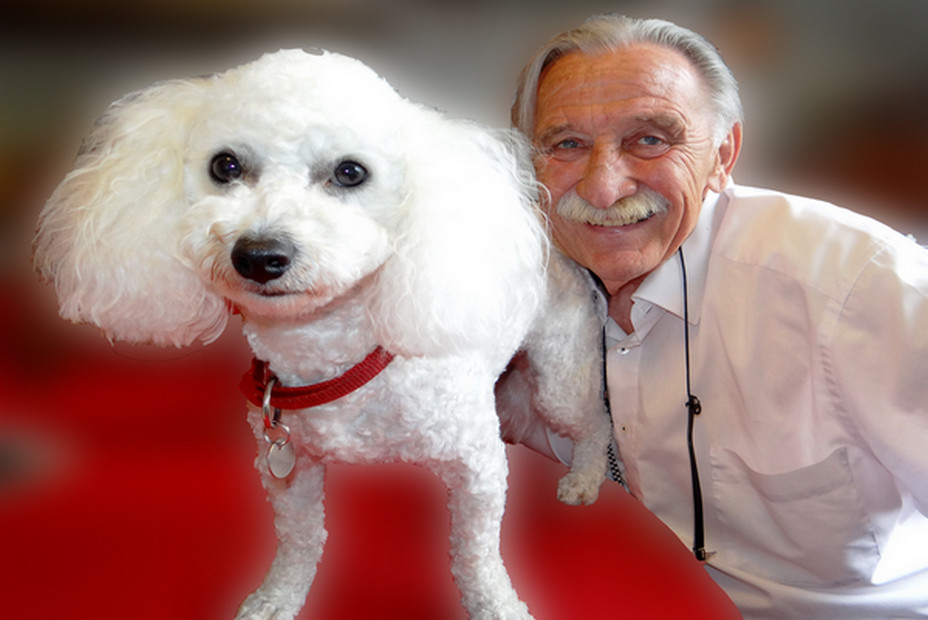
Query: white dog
x=389, y=258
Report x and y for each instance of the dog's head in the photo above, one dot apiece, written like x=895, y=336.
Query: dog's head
x=275, y=188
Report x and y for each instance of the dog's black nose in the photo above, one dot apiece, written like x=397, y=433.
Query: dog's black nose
x=262, y=259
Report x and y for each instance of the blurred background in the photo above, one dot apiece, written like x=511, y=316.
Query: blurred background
x=835, y=94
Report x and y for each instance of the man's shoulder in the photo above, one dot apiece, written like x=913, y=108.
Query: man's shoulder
x=772, y=211
x=798, y=237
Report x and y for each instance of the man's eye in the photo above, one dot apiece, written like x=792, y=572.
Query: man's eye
x=647, y=146
x=568, y=144
x=568, y=149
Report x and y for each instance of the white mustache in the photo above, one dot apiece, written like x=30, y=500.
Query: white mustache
x=629, y=210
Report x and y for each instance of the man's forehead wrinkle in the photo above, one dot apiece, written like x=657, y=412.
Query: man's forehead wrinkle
x=550, y=132
x=663, y=78
x=663, y=120
x=666, y=120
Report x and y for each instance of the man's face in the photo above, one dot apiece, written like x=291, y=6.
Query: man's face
x=634, y=123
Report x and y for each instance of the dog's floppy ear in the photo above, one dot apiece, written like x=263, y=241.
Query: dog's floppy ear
x=469, y=264
x=109, y=237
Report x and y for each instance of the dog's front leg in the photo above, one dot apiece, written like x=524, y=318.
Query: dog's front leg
x=566, y=364
x=477, y=497
x=299, y=519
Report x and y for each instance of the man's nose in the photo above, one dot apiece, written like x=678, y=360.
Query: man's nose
x=607, y=178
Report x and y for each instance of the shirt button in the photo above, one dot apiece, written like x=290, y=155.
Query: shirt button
x=624, y=351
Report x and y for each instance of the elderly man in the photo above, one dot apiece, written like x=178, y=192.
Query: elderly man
x=766, y=354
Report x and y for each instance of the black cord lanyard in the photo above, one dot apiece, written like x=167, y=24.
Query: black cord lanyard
x=694, y=408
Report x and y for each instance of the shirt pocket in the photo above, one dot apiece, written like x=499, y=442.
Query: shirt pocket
x=803, y=527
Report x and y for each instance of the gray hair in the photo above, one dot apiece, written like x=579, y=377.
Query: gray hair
x=609, y=32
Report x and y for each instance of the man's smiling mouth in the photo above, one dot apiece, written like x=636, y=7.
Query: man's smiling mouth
x=631, y=220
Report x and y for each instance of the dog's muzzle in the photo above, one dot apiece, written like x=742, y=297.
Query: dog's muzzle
x=262, y=259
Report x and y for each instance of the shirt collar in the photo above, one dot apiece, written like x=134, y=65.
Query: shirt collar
x=664, y=286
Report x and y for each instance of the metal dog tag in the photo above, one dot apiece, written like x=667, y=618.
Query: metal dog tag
x=281, y=458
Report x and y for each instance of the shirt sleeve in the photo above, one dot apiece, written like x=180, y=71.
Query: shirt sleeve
x=880, y=361
x=545, y=441
x=518, y=423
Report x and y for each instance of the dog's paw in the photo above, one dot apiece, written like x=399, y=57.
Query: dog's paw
x=258, y=607
x=578, y=487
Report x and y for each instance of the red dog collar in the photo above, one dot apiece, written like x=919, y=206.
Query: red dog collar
x=255, y=382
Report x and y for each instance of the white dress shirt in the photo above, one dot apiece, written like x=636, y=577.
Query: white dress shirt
x=809, y=353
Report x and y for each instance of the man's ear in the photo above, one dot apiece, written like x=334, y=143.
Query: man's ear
x=726, y=157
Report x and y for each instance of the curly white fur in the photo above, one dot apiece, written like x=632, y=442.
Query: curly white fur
x=386, y=224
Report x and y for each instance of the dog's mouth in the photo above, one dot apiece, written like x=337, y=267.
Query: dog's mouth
x=257, y=300
x=271, y=293
x=267, y=294
x=246, y=291
x=235, y=282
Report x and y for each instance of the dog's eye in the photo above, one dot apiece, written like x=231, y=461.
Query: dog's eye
x=349, y=174
x=225, y=168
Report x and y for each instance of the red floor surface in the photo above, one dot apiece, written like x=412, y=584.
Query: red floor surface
x=127, y=491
